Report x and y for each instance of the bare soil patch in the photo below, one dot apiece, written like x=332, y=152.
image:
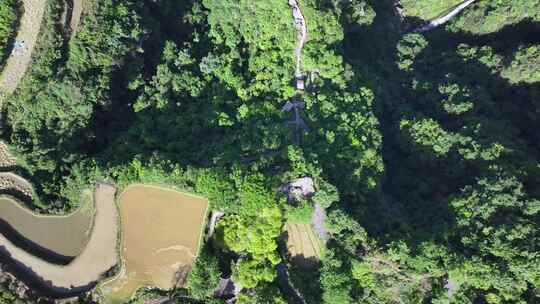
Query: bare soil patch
x=98, y=257
x=303, y=245
x=18, y=61
x=161, y=231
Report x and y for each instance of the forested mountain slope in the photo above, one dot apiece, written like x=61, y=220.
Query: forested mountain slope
x=423, y=148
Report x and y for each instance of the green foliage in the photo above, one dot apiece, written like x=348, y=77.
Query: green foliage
x=51, y=115
x=251, y=273
x=491, y=16
x=8, y=18
x=301, y=213
x=525, y=66
x=428, y=9
x=152, y=172
x=352, y=237
x=361, y=271
x=422, y=147
x=336, y=280
x=408, y=49
x=217, y=187
x=326, y=194
x=204, y=276
x=265, y=28
x=497, y=220
x=253, y=235
x=428, y=133
x=267, y=295
x=9, y=297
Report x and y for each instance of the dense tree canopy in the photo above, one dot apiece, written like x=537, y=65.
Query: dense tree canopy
x=423, y=148
x=8, y=18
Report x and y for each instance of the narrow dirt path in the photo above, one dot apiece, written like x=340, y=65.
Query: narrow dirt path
x=296, y=105
x=300, y=24
x=442, y=20
x=301, y=27
x=76, y=13
x=19, y=60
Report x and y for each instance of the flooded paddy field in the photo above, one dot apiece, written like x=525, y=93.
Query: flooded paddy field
x=161, y=231
x=86, y=269
x=57, y=239
x=303, y=245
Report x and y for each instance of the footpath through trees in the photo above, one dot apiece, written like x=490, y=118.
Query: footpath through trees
x=444, y=19
x=27, y=35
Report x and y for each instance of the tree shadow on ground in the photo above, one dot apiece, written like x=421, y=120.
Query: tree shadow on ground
x=413, y=203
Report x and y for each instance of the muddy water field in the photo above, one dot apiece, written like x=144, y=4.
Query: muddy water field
x=86, y=269
x=161, y=235
x=57, y=239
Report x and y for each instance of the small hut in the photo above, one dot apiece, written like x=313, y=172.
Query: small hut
x=300, y=82
x=299, y=189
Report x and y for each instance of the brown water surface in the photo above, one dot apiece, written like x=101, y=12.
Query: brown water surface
x=64, y=235
x=83, y=272
x=161, y=236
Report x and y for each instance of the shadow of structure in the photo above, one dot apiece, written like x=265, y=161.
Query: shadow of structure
x=417, y=185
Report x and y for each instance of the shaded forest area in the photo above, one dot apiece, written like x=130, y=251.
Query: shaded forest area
x=423, y=147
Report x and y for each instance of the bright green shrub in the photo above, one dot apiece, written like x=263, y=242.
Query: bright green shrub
x=300, y=214
x=525, y=66
x=8, y=18
x=491, y=16
x=428, y=9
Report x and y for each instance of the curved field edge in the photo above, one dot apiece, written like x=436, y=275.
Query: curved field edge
x=122, y=265
x=23, y=191
x=29, y=30
x=85, y=271
x=67, y=235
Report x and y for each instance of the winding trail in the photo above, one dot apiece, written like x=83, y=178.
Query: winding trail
x=296, y=105
x=442, y=20
x=19, y=60
x=76, y=13
x=301, y=27
x=284, y=280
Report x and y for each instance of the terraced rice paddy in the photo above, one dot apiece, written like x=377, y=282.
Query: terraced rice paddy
x=162, y=231
x=63, y=235
x=303, y=245
x=99, y=254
